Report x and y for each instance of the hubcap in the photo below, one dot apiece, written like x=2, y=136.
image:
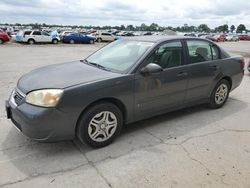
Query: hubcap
x=102, y=126
x=221, y=94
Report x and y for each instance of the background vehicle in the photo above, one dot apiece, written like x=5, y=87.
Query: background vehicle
x=232, y=38
x=189, y=35
x=248, y=68
x=73, y=38
x=32, y=37
x=220, y=38
x=106, y=37
x=4, y=37
x=244, y=37
x=64, y=33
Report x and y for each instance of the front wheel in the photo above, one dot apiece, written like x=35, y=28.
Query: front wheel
x=1, y=41
x=220, y=94
x=100, y=124
x=91, y=42
x=55, y=41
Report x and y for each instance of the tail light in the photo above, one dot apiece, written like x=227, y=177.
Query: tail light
x=242, y=63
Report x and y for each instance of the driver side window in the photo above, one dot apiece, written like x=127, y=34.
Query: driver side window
x=167, y=55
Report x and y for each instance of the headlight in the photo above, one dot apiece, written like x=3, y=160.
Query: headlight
x=45, y=97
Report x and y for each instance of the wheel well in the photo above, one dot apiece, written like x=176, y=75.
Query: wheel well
x=114, y=101
x=229, y=80
x=30, y=39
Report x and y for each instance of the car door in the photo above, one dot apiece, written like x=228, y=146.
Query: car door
x=37, y=35
x=157, y=92
x=203, y=68
x=46, y=37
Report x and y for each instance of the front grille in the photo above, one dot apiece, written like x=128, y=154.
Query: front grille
x=18, y=97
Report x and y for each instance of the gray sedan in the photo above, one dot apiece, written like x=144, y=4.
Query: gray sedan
x=126, y=81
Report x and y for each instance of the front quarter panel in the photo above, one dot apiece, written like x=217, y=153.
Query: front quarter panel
x=77, y=98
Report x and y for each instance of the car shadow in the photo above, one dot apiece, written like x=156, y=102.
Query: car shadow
x=32, y=158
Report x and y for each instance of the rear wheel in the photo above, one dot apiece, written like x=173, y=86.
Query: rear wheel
x=220, y=94
x=72, y=41
x=91, y=42
x=100, y=124
x=1, y=41
x=31, y=41
x=99, y=40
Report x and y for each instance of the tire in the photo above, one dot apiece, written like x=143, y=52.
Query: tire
x=31, y=41
x=72, y=41
x=91, y=42
x=55, y=41
x=93, y=128
x=220, y=94
x=1, y=41
x=99, y=40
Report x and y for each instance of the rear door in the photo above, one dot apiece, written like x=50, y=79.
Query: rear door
x=203, y=68
x=37, y=35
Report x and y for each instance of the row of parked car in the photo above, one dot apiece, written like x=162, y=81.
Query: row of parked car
x=221, y=37
x=36, y=36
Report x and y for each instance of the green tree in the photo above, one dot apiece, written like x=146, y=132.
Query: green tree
x=122, y=27
x=204, y=28
x=241, y=28
x=232, y=28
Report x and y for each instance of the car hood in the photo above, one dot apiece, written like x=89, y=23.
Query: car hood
x=62, y=76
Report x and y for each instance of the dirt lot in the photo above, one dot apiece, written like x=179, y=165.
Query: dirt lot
x=194, y=147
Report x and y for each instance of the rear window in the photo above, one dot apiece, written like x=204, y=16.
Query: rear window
x=36, y=33
x=27, y=32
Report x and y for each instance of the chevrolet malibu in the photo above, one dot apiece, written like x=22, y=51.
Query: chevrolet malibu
x=126, y=81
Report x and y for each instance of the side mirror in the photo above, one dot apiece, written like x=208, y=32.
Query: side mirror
x=151, y=68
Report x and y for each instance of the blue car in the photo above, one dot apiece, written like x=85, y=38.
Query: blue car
x=73, y=38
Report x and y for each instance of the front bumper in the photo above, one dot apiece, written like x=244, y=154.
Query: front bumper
x=42, y=124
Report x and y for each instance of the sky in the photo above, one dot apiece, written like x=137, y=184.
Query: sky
x=116, y=12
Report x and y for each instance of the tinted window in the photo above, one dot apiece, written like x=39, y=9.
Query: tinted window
x=107, y=34
x=215, y=52
x=45, y=33
x=167, y=55
x=36, y=33
x=199, y=51
x=27, y=32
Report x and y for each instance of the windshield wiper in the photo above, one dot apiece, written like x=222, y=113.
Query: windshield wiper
x=95, y=64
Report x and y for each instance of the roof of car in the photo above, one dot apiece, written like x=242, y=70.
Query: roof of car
x=157, y=38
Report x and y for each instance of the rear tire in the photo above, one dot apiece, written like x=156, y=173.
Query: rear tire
x=31, y=41
x=99, y=40
x=91, y=42
x=1, y=41
x=100, y=124
x=72, y=41
x=220, y=94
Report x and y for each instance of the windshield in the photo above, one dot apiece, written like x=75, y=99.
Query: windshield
x=120, y=55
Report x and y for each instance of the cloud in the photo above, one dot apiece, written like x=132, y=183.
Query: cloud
x=117, y=12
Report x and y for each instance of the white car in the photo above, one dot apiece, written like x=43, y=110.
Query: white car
x=32, y=37
x=107, y=37
x=232, y=38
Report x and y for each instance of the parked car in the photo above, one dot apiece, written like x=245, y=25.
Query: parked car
x=107, y=37
x=126, y=81
x=220, y=38
x=234, y=38
x=210, y=37
x=73, y=38
x=189, y=35
x=244, y=37
x=4, y=37
x=34, y=36
x=64, y=33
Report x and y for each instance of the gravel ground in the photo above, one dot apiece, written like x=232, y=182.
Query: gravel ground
x=194, y=147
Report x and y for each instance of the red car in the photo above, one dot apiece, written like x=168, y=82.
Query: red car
x=244, y=37
x=4, y=37
x=220, y=38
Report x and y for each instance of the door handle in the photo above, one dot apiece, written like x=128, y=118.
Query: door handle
x=214, y=67
x=182, y=74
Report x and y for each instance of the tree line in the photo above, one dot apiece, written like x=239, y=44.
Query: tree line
x=144, y=27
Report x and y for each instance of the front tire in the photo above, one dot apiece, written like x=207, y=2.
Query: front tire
x=100, y=124
x=99, y=40
x=91, y=42
x=220, y=94
x=72, y=41
x=55, y=41
x=1, y=41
